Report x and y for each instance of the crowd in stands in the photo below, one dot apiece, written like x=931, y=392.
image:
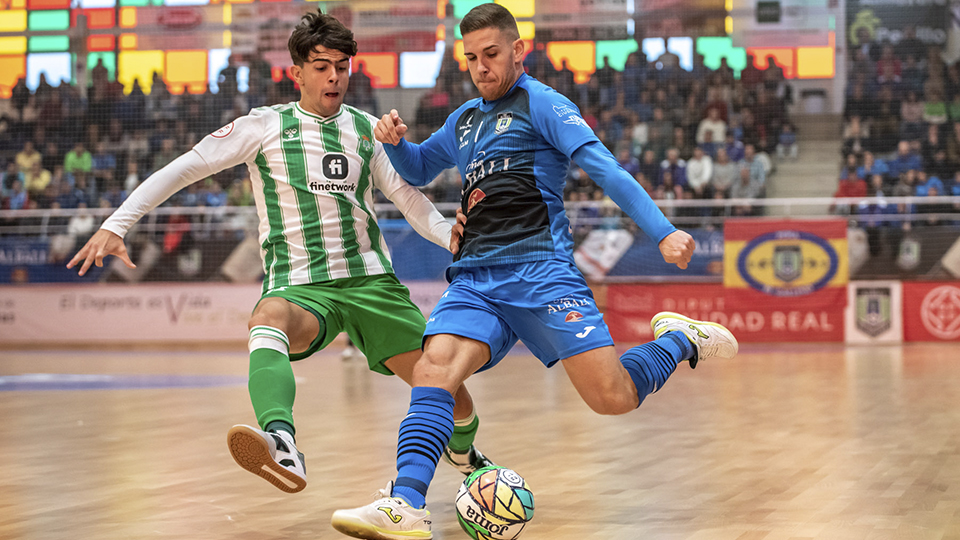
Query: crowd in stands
x=901, y=131
x=682, y=134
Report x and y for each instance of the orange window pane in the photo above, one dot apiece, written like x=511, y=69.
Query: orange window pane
x=49, y=4
x=96, y=18
x=100, y=43
x=581, y=57
x=12, y=68
x=381, y=67
x=784, y=57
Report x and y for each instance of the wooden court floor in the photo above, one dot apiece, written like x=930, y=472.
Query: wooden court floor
x=786, y=442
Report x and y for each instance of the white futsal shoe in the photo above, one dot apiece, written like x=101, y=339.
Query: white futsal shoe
x=387, y=518
x=272, y=456
x=711, y=340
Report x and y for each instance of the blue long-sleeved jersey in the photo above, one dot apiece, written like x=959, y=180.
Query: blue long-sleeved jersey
x=513, y=155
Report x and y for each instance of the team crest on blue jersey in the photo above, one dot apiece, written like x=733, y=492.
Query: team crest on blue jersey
x=474, y=198
x=503, y=122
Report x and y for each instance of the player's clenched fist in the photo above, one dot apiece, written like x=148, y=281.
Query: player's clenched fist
x=390, y=128
x=677, y=248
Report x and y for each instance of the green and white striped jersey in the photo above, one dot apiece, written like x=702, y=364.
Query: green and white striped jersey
x=313, y=181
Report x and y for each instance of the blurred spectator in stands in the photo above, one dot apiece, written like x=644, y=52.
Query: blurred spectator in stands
x=77, y=160
x=69, y=196
x=906, y=187
x=628, y=162
x=650, y=167
x=913, y=75
x=951, y=82
x=644, y=182
x=939, y=166
x=889, y=68
x=787, y=143
x=114, y=194
x=17, y=199
x=713, y=124
x=874, y=224
x=751, y=76
x=690, y=116
x=682, y=143
x=725, y=72
x=639, y=136
x=905, y=159
x=566, y=80
x=872, y=167
x=660, y=131
x=751, y=130
x=27, y=157
x=677, y=168
x=953, y=109
x=161, y=104
x=911, y=118
x=241, y=193
x=103, y=165
x=850, y=163
x=733, y=147
x=20, y=96
x=745, y=188
x=138, y=148
x=885, y=127
x=132, y=178
x=168, y=152
x=856, y=136
x=709, y=146
x=215, y=195
x=605, y=75
x=934, y=107
x=755, y=167
x=699, y=172
x=8, y=177
x=668, y=190
x=849, y=186
x=724, y=173
x=36, y=179
x=51, y=156
x=910, y=45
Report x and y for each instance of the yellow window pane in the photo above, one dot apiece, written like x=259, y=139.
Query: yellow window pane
x=140, y=65
x=581, y=57
x=227, y=39
x=12, y=68
x=227, y=14
x=128, y=41
x=13, y=45
x=128, y=17
x=184, y=67
x=13, y=20
x=526, y=29
x=458, y=54
x=519, y=8
x=817, y=62
x=18, y=4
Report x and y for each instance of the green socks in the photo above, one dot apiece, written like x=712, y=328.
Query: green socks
x=271, y=384
x=464, y=432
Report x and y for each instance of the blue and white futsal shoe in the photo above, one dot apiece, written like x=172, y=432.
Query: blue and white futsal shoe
x=710, y=340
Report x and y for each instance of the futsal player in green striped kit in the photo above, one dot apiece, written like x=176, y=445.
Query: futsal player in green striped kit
x=314, y=165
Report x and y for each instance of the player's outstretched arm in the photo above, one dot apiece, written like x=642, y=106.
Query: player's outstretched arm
x=418, y=164
x=101, y=244
x=677, y=248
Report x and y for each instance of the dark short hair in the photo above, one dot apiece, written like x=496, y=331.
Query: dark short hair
x=319, y=29
x=490, y=16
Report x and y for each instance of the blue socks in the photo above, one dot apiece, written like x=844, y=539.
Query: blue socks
x=424, y=433
x=650, y=364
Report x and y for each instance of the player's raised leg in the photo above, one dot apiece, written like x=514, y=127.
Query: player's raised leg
x=270, y=452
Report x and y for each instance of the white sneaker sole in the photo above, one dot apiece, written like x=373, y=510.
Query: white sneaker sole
x=251, y=452
x=357, y=528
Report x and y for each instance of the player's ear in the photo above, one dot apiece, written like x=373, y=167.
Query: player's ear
x=296, y=73
x=518, y=47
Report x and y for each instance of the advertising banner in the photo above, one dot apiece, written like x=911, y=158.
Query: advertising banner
x=751, y=316
x=874, y=312
x=931, y=311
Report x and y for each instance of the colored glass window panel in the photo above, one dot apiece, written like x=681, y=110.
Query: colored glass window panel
x=13, y=4
x=381, y=67
x=527, y=29
x=128, y=42
x=96, y=18
x=616, y=52
x=55, y=67
x=783, y=56
x=101, y=43
x=714, y=49
x=48, y=4
x=108, y=59
x=185, y=69
x=462, y=7
x=139, y=65
x=683, y=48
x=420, y=69
x=817, y=62
x=519, y=8
x=458, y=54
x=13, y=45
x=653, y=48
x=128, y=17
x=88, y=4
x=13, y=20
x=49, y=43
x=581, y=57
x=217, y=59
x=186, y=2
x=135, y=3
x=12, y=69
x=49, y=20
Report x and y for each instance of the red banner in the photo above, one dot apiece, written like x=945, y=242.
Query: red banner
x=931, y=311
x=752, y=316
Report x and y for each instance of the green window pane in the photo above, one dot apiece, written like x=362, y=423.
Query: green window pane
x=109, y=62
x=49, y=43
x=462, y=7
x=53, y=19
x=714, y=49
x=616, y=51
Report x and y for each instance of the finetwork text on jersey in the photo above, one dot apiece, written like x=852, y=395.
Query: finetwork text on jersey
x=331, y=186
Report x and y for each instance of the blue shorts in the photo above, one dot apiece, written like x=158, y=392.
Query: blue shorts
x=546, y=304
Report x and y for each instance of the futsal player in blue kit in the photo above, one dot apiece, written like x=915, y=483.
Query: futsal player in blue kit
x=514, y=276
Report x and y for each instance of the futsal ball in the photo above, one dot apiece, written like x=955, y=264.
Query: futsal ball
x=494, y=503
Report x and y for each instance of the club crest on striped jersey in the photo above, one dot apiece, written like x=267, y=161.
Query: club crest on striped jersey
x=365, y=143
x=335, y=166
x=573, y=316
x=475, y=197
